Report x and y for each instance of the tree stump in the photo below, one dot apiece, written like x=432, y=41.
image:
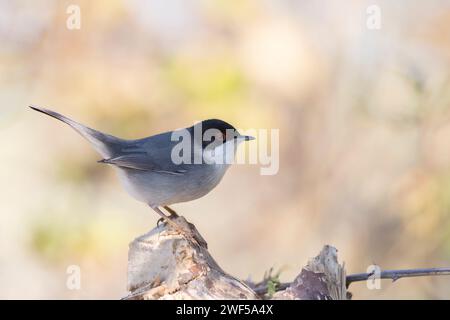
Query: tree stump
x=164, y=264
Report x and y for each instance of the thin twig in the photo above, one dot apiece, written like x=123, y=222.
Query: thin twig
x=397, y=274
x=261, y=289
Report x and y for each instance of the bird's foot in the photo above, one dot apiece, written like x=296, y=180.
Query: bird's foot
x=180, y=225
x=186, y=230
x=160, y=220
x=172, y=215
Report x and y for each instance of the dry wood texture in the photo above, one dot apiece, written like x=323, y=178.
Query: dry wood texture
x=164, y=264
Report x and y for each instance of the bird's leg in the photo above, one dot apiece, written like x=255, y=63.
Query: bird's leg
x=186, y=231
x=175, y=225
x=172, y=215
x=172, y=212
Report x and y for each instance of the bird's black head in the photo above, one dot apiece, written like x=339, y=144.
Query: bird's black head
x=218, y=131
x=217, y=124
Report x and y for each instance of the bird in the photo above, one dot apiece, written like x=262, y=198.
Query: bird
x=146, y=167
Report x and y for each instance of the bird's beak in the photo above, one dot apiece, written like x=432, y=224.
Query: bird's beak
x=247, y=138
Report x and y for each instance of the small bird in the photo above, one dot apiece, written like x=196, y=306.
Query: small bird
x=146, y=167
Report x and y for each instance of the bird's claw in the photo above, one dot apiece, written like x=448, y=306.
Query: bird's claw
x=160, y=220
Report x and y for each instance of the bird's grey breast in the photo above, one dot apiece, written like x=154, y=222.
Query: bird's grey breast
x=161, y=188
x=167, y=182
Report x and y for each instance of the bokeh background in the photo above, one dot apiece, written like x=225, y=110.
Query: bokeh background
x=364, y=128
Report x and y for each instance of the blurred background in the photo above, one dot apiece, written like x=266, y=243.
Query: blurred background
x=364, y=128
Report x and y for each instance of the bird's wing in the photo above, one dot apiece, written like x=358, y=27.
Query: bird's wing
x=140, y=161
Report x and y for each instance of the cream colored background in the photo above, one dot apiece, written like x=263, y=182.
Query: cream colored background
x=363, y=118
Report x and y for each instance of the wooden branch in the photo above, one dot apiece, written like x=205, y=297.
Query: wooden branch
x=323, y=278
x=394, y=275
x=165, y=264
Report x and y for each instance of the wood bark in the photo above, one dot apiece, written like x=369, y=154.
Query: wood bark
x=165, y=264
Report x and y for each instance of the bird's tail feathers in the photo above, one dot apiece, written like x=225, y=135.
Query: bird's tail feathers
x=102, y=143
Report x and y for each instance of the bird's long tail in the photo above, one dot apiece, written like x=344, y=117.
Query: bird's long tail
x=104, y=144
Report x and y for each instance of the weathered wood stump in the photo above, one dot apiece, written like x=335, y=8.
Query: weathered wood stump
x=164, y=264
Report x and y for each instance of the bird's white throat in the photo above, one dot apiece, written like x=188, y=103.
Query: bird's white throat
x=221, y=154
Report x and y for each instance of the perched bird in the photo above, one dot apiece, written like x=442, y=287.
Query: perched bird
x=147, y=169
